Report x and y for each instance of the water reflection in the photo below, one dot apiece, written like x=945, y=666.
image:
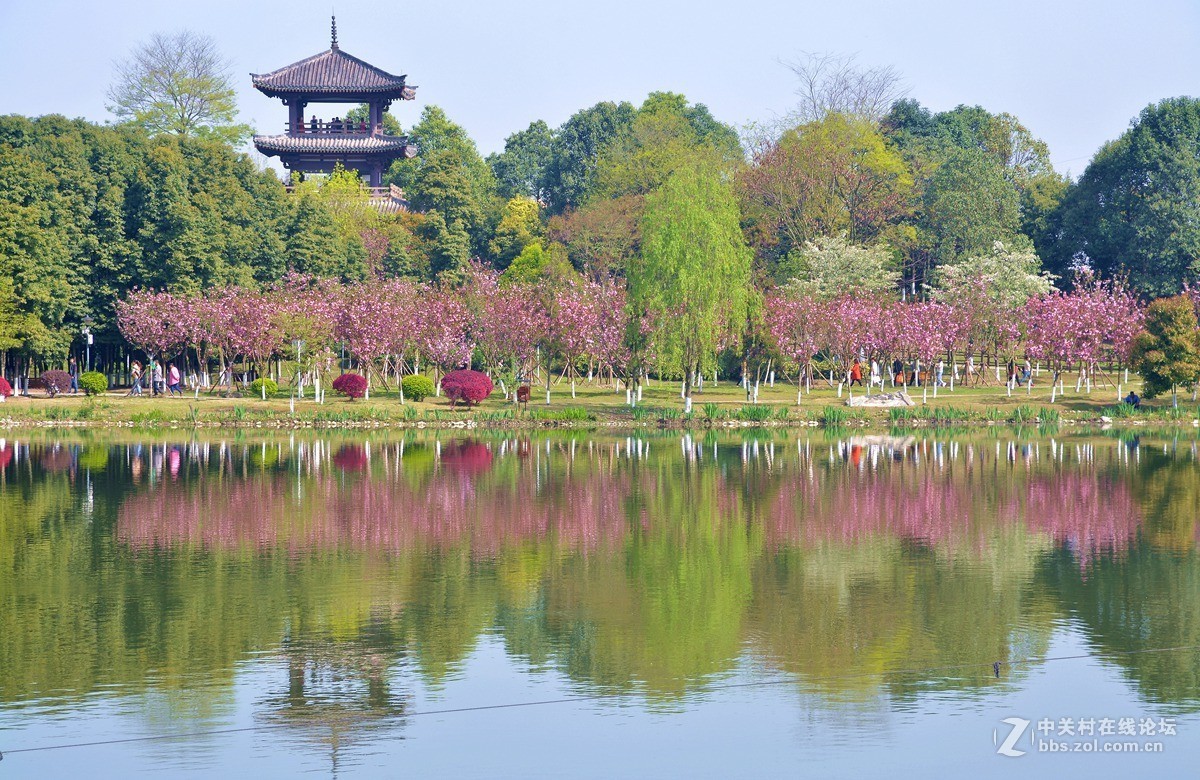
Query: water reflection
x=651, y=563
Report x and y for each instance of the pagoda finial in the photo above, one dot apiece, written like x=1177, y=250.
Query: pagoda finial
x=333, y=32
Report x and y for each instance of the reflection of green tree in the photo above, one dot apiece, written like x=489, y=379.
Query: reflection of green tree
x=668, y=608
x=453, y=602
x=1146, y=601
x=1170, y=493
x=94, y=457
x=848, y=617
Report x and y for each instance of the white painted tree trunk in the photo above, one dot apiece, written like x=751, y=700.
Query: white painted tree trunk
x=687, y=405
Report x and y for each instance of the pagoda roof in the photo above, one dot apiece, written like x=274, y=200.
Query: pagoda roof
x=332, y=73
x=345, y=144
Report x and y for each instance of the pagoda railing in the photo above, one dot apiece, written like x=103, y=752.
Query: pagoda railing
x=320, y=127
x=391, y=192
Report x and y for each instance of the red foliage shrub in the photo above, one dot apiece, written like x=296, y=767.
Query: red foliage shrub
x=55, y=381
x=351, y=385
x=5, y=388
x=466, y=385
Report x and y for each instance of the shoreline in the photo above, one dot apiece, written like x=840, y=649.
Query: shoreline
x=596, y=408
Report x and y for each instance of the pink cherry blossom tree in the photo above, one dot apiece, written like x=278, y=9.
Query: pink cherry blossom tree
x=445, y=331
x=158, y=323
x=795, y=323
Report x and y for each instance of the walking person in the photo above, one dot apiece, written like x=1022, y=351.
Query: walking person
x=156, y=377
x=73, y=370
x=856, y=373
x=135, y=376
x=173, y=380
x=897, y=372
x=941, y=371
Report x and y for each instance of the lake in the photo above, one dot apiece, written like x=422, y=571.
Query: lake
x=583, y=604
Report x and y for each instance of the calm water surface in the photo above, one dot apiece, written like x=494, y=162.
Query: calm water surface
x=668, y=605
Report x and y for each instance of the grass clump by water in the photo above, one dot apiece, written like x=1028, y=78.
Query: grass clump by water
x=711, y=411
x=754, y=413
x=568, y=414
x=943, y=416
x=833, y=416
x=1050, y=417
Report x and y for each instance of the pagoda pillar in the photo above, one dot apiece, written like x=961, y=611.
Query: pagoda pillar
x=296, y=116
x=376, y=116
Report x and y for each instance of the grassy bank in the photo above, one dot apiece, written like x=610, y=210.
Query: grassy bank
x=595, y=406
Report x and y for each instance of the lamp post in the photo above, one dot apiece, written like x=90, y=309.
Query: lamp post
x=299, y=345
x=86, y=330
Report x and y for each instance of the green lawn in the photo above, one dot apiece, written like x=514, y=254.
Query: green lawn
x=595, y=401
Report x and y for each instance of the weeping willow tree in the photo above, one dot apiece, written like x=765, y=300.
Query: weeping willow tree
x=691, y=282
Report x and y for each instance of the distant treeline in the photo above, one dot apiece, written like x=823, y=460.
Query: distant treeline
x=88, y=212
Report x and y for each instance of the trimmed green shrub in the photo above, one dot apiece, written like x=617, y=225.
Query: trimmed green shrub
x=417, y=387
x=93, y=383
x=256, y=387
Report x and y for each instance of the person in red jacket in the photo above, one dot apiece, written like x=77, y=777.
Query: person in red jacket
x=856, y=373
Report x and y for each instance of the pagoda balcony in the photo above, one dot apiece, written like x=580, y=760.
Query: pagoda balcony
x=331, y=128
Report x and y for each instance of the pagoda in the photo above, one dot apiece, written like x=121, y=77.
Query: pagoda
x=320, y=144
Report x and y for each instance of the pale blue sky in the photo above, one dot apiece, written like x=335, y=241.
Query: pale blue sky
x=1074, y=72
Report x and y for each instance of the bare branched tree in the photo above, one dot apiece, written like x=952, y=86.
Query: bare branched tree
x=177, y=84
x=830, y=83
